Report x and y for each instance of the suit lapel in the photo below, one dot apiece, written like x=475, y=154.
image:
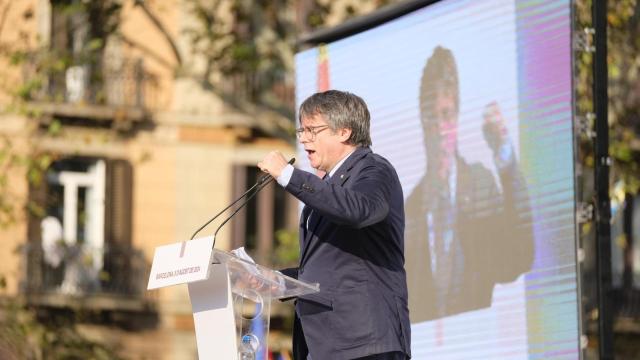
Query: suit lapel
x=339, y=178
x=310, y=224
x=311, y=221
x=344, y=171
x=303, y=229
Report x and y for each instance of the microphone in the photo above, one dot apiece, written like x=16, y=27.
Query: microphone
x=266, y=177
x=260, y=184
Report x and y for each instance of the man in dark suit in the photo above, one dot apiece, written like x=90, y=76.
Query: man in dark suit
x=351, y=236
x=463, y=234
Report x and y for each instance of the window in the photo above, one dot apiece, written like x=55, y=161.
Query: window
x=268, y=212
x=77, y=245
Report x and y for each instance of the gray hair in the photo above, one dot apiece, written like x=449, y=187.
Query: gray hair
x=342, y=110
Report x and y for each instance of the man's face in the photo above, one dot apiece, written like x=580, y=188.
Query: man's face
x=324, y=149
x=440, y=122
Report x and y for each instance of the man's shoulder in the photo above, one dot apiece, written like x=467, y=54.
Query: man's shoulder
x=472, y=169
x=380, y=166
x=375, y=159
x=365, y=158
x=475, y=179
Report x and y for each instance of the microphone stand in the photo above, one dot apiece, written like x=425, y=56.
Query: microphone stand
x=259, y=185
x=225, y=209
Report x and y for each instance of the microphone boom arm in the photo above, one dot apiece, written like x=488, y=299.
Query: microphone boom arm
x=260, y=184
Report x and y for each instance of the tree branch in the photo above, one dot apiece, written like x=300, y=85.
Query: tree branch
x=154, y=19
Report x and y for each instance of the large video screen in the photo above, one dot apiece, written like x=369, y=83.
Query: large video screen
x=471, y=101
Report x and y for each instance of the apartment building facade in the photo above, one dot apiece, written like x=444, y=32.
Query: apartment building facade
x=120, y=154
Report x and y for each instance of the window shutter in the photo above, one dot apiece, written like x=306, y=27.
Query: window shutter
x=118, y=206
x=33, y=250
x=118, y=227
x=239, y=222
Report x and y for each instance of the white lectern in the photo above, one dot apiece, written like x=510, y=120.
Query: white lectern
x=230, y=297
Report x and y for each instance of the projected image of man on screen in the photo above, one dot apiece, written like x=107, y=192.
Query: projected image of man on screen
x=464, y=231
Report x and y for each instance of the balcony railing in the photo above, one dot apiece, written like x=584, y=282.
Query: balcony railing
x=114, y=82
x=110, y=278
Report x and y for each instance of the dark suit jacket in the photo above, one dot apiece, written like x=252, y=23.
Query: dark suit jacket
x=493, y=241
x=354, y=248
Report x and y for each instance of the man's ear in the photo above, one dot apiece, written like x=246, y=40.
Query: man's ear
x=344, y=134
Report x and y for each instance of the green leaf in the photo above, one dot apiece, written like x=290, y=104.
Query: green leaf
x=55, y=128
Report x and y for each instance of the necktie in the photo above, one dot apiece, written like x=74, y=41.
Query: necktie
x=444, y=230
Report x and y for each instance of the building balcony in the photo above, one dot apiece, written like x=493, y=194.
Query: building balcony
x=115, y=90
x=80, y=277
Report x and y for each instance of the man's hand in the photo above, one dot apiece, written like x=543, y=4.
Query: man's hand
x=496, y=135
x=273, y=163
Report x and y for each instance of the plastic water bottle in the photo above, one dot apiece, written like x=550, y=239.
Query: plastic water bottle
x=247, y=350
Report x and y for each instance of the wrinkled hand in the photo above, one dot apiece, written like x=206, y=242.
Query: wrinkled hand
x=273, y=163
x=494, y=127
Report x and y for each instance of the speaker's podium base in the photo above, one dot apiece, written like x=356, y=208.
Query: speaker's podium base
x=230, y=297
